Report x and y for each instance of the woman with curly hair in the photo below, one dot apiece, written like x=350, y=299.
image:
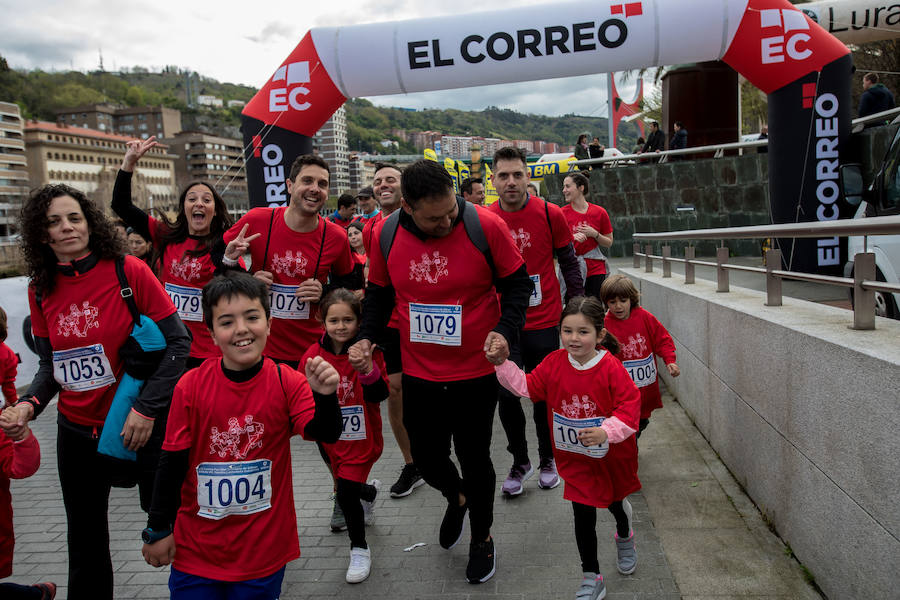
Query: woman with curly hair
x=81, y=319
x=188, y=252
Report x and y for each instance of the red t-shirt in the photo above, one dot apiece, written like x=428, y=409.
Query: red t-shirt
x=536, y=236
x=641, y=336
x=602, y=390
x=367, y=230
x=17, y=461
x=9, y=365
x=445, y=296
x=239, y=436
x=87, y=322
x=361, y=442
x=597, y=218
x=292, y=258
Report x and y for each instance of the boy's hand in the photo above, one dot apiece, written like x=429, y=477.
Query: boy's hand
x=160, y=553
x=359, y=360
x=322, y=377
x=673, y=369
x=592, y=436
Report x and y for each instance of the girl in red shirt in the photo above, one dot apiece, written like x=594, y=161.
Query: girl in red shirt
x=591, y=229
x=360, y=260
x=592, y=408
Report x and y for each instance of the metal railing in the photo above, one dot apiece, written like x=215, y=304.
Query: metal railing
x=863, y=281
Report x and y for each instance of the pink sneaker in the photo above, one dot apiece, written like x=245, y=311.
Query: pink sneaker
x=517, y=476
x=548, y=478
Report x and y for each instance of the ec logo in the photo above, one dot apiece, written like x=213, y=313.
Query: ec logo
x=282, y=98
x=774, y=48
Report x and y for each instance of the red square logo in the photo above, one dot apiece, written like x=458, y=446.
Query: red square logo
x=633, y=9
x=616, y=9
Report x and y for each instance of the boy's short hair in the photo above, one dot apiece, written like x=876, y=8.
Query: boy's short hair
x=307, y=159
x=233, y=283
x=346, y=200
x=619, y=286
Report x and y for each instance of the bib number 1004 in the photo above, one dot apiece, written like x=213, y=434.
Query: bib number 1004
x=233, y=488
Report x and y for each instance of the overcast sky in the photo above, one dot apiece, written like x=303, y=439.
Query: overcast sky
x=244, y=41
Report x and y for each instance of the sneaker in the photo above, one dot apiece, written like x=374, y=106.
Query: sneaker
x=360, y=565
x=48, y=590
x=338, y=522
x=592, y=587
x=408, y=481
x=369, y=507
x=626, y=555
x=482, y=561
x=548, y=478
x=517, y=476
x=452, y=525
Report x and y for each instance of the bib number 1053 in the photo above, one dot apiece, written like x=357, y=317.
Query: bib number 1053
x=233, y=488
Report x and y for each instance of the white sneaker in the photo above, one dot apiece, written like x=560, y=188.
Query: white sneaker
x=369, y=507
x=360, y=565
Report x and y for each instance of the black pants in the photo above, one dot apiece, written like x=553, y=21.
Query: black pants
x=14, y=591
x=532, y=348
x=462, y=412
x=86, y=478
x=586, y=532
x=592, y=285
x=349, y=493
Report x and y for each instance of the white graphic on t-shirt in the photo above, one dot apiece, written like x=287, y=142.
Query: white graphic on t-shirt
x=238, y=440
x=579, y=224
x=430, y=269
x=345, y=392
x=636, y=346
x=185, y=269
x=579, y=408
x=521, y=238
x=290, y=265
x=78, y=321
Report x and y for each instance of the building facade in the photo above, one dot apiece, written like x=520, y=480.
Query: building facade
x=139, y=121
x=14, y=182
x=331, y=144
x=362, y=172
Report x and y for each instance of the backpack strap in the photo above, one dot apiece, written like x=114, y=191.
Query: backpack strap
x=126, y=292
x=268, y=237
x=472, y=223
x=388, y=233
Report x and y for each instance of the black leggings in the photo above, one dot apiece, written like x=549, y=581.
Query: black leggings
x=349, y=493
x=592, y=285
x=586, y=532
x=14, y=591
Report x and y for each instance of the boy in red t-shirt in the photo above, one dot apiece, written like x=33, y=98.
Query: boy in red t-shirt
x=641, y=336
x=227, y=453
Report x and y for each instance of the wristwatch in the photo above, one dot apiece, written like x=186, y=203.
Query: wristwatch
x=150, y=536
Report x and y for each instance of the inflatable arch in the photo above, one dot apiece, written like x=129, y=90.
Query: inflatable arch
x=804, y=69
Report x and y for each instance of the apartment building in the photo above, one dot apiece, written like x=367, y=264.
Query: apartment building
x=138, y=121
x=331, y=143
x=362, y=172
x=14, y=183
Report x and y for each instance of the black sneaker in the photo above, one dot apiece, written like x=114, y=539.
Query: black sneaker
x=408, y=481
x=482, y=561
x=452, y=525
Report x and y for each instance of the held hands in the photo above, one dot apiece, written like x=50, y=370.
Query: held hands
x=673, y=369
x=134, y=150
x=359, y=359
x=588, y=231
x=136, y=431
x=579, y=237
x=160, y=553
x=309, y=291
x=239, y=246
x=14, y=420
x=322, y=377
x=592, y=436
x=496, y=348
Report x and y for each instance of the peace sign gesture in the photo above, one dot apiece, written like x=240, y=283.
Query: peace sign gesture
x=237, y=247
x=134, y=150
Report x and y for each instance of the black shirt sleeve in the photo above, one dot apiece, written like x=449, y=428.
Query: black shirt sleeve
x=123, y=206
x=170, y=474
x=43, y=387
x=568, y=266
x=157, y=392
x=377, y=306
x=326, y=424
x=514, y=290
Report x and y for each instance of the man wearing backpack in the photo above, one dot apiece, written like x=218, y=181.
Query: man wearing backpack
x=443, y=261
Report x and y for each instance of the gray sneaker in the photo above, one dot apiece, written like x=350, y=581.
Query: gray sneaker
x=592, y=587
x=369, y=507
x=626, y=555
x=338, y=522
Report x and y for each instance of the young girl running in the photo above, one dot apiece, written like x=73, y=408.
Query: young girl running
x=592, y=407
x=362, y=387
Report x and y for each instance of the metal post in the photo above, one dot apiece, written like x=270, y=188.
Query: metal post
x=863, y=300
x=667, y=264
x=689, y=253
x=721, y=272
x=637, y=255
x=773, y=284
x=648, y=268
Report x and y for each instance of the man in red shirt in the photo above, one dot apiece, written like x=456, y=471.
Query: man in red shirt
x=443, y=269
x=368, y=206
x=343, y=214
x=539, y=231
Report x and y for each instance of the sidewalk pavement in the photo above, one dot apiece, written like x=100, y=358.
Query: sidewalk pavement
x=697, y=534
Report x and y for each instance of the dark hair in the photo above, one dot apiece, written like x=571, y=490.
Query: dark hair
x=357, y=225
x=619, y=286
x=132, y=230
x=510, y=153
x=177, y=232
x=40, y=260
x=229, y=285
x=424, y=179
x=4, y=326
x=466, y=186
x=679, y=124
x=380, y=165
x=307, y=159
x=532, y=184
x=340, y=296
x=583, y=136
x=871, y=77
x=122, y=224
x=594, y=312
x=641, y=140
x=580, y=180
x=346, y=200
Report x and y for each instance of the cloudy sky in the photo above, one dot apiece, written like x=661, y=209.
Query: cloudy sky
x=244, y=41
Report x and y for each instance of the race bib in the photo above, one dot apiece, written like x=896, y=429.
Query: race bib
x=565, y=435
x=536, y=295
x=435, y=324
x=234, y=488
x=284, y=303
x=642, y=371
x=186, y=301
x=81, y=369
x=354, y=423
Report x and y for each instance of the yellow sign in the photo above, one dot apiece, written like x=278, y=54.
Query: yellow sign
x=430, y=155
x=537, y=171
x=490, y=192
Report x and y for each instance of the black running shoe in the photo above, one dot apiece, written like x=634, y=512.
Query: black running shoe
x=482, y=561
x=452, y=525
x=408, y=481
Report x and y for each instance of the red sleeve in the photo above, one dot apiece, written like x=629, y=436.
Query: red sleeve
x=178, y=428
x=38, y=324
x=604, y=224
x=504, y=253
x=19, y=460
x=378, y=361
x=250, y=218
x=301, y=406
x=378, y=273
x=624, y=393
x=8, y=369
x=559, y=227
x=343, y=264
x=663, y=345
x=537, y=382
x=149, y=294
x=367, y=235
